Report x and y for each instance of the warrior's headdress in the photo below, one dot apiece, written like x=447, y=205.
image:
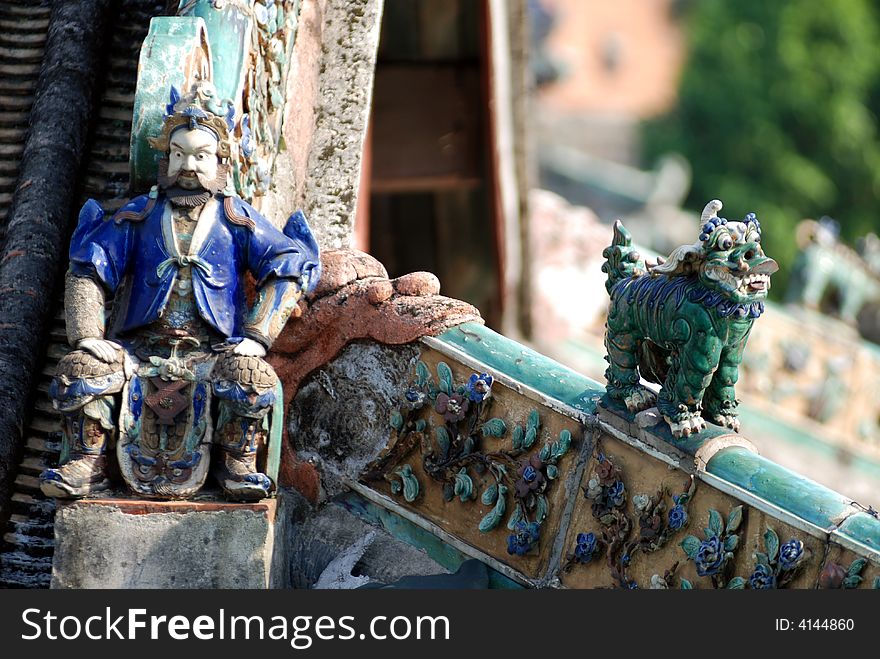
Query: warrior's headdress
x=199, y=109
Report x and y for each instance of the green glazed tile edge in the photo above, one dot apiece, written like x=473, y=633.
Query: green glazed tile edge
x=525, y=365
x=863, y=528
x=226, y=29
x=786, y=489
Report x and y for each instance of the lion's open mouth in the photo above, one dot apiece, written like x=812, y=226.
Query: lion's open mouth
x=754, y=283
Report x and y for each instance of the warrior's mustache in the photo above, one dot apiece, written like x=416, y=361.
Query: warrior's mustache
x=213, y=185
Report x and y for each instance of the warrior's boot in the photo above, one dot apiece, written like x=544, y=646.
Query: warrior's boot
x=85, y=470
x=245, y=387
x=236, y=467
x=80, y=391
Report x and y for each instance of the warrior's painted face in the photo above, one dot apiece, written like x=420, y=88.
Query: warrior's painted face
x=192, y=156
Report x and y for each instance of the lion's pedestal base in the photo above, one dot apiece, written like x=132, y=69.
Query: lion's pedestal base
x=130, y=543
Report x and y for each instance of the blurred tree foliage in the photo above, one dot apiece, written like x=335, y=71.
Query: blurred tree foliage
x=777, y=114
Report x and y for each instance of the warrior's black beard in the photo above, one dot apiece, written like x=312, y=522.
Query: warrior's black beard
x=188, y=198
x=191, y=198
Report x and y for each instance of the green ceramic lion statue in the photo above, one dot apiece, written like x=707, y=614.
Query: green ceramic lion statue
x=683, y=322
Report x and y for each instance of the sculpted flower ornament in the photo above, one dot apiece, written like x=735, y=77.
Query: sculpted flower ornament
x=616, y=493
x=790, y=554
x=834, y=575
x=677, y=516
x=778, y=564
x=453, y=408
x=524, y=538
x=650, y=526
x=587, y=545
x=762, y=578
x=775, y=566
x=531, y=477
x=479, y=387
x=605, y=489
x=622, y=534
x=710, y=556
x=641, y=503
x=605, y=471
x=658, y=582
x=415, y=398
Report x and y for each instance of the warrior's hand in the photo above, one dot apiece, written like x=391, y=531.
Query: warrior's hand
x=100, y=348
x=250, y=348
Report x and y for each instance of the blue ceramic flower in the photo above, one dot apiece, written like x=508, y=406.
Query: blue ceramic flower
x=710, y=556
x=415, y=398
x=616, y=493
x=678, y=517
x=790, y=554
x=479, y=387
x=531, y=476
x=762, y=578
x=525, y=536
x=586, y=547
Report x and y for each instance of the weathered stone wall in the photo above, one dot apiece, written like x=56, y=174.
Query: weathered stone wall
x=339, y=418
x=329, y=95
x=127, y=543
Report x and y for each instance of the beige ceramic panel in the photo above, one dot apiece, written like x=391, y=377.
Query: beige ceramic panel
x=462, y=519
x=643, y=474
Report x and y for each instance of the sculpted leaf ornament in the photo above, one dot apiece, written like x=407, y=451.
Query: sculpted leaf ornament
x=462, y=447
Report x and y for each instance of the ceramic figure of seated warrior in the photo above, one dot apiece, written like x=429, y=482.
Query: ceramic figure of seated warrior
x=181, y=374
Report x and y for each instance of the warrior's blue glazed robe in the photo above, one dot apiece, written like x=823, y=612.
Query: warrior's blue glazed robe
x=111, y=249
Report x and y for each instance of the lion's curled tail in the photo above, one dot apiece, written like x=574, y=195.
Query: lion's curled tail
x=622, y=261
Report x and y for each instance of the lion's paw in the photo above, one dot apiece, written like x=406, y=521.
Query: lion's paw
x=726, y=421
x=639, y=399
x=687, y=426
